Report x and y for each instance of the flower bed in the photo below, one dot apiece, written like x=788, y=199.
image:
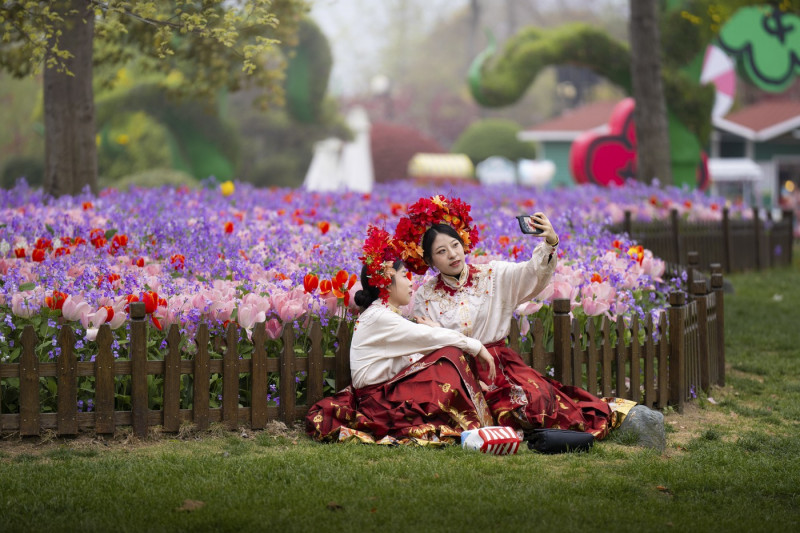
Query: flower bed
x=280, y=256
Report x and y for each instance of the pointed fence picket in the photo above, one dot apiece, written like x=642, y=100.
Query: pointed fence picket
x=763, y=241
x=656, y=362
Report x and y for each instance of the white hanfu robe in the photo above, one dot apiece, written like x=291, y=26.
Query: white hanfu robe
x=384, y=343
x=481, y=305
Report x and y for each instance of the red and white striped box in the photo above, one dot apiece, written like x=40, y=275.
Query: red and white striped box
x=494, y=440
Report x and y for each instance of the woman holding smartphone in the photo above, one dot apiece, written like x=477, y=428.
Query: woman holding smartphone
x=479, y=301
x=409, y=380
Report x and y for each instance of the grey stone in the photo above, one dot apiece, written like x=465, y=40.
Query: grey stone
x=648, y=424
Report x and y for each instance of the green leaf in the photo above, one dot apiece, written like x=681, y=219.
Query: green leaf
x=27, y=286
x=110, y=234
x=49, y=228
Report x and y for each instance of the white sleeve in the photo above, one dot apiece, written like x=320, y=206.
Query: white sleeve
x=517, y=283
x=409, y=337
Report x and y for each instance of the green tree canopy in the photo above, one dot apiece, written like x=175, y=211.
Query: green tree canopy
x=214, y=44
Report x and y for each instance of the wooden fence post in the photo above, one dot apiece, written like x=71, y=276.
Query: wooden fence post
x=677, y=364
x=200, y=405
x=605, y=377
x=757, y=233
x=636, y=366
x=172, y=381
x=693, y=264
x=230, y=377
x=29, y=408
x=138, y=347
x=259, y=378
x=67, y=383
x=700, y=290
x=315, y=359
x=562, y=341
x=104, y=422
x=592, y=357
x=649, y=363
x=726, y=239
x=719, y=294
x=343, y=356
x=628, y=225
x=676, y=236
x=287, y=385
x=621, y=359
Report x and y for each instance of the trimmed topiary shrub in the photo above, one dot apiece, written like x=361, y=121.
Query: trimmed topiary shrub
x=493, y=137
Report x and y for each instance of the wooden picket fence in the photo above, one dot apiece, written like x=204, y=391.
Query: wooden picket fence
x=737, y=245
x=680, y=354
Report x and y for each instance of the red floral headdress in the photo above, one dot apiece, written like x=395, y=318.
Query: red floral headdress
x=423, y=214
x=380, y=253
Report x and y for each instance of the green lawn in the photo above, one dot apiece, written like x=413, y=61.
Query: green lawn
x=732, y=465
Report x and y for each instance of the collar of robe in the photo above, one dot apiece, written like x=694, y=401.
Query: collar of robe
x=452, y=284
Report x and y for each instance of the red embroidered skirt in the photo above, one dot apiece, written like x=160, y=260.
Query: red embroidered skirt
x=434, y=399
x=521, y=397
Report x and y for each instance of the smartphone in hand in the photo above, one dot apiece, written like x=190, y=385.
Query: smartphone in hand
x=526, y=225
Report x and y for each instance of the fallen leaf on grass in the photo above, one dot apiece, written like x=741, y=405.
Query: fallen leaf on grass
x=712, y=400
x=191, y=505
x=333, y=506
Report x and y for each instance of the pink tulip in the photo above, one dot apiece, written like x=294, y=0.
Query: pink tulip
x=248, y=316
x=529, y=308
x=274, y=328
x=524, y=326
x=562, y=289
x=26, y=304
x=75, y=308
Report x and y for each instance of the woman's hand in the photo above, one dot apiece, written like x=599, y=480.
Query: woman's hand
x=427, y=321
x=541, y=221
x=489, y=360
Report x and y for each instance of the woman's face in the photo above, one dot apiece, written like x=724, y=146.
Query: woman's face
x=400, y=289
x=447, y=255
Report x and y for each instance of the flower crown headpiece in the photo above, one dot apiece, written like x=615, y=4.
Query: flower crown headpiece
x=423, y=214
x=380, y=253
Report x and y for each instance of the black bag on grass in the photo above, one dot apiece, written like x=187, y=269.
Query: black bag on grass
x=547, y=440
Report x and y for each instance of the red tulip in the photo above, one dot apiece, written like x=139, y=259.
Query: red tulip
x=38, y=255
x=56, y=301
x=325, y=286
x=177, y=261
x=87, y=205
x=341, y=278
x=310, y=283
x=19, y=252
x=120, y=240
x=323, y=226
x=150, y=299
x=229, y=227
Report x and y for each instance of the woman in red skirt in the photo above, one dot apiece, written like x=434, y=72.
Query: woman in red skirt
x=479, y=302
x=410, y=381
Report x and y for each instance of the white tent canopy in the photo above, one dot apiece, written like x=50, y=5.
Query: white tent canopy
x=733, y=169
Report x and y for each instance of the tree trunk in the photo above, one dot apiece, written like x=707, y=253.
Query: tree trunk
x=650, y=115
x=70, y=148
